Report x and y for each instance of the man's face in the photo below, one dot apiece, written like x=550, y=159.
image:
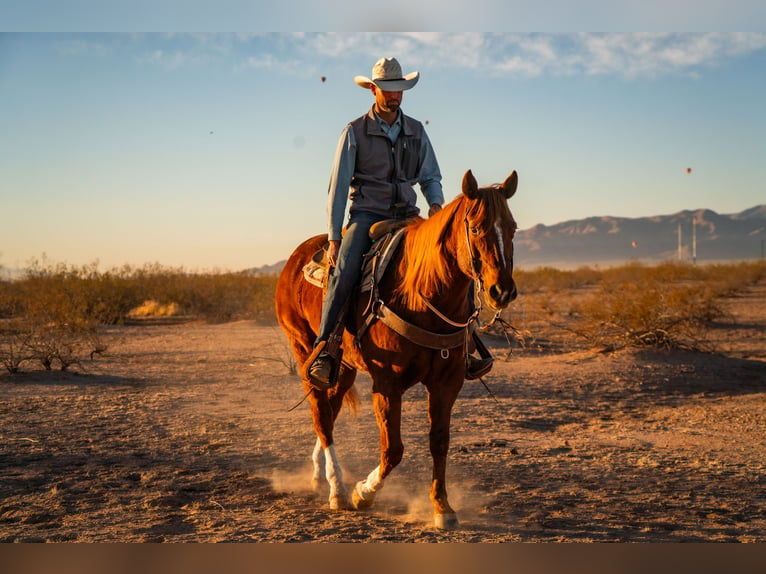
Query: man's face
x=387, y=101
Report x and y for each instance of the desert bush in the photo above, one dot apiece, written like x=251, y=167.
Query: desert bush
x=54, y=317
x=732, y=278
x=53, y=312
x=221, y=297
x=15, y=344
x=647, y=313
x=664, y=305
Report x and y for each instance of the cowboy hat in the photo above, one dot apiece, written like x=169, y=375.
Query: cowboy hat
x=387, y=75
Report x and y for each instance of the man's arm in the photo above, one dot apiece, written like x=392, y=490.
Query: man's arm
x=430, y=177
x=340, y=181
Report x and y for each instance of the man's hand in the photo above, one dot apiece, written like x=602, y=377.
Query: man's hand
x=332, y=252
x=435, y=207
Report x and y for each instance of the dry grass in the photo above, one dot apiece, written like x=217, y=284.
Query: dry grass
x=670, y=305
x=52, y=314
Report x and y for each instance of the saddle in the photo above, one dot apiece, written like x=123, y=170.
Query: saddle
x=385, y=235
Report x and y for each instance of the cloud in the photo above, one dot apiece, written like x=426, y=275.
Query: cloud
x=637, y=55
x=628, y=55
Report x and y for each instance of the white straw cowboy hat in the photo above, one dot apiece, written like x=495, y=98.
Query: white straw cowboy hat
x=387, y=75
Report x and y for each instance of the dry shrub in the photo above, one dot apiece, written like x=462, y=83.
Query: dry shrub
x=53, y=313
x=670, y=304
x=15, y=345
x=647, y=314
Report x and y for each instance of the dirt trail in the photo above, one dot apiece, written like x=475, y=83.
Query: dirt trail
x=183, y=433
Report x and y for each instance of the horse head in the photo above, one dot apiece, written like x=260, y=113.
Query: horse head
x=489, y=231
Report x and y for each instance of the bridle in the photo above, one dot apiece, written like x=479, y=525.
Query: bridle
x=475, y=276
x=475, y=261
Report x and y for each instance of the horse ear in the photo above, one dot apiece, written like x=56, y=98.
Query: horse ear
x=510, y=184
x=470, y=186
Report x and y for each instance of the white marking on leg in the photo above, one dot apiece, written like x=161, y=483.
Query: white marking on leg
x=316, y=459
x=364, y=491
x=334, y=474
x=372, y=484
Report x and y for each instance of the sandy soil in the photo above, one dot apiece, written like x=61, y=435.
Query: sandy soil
x=184, y=433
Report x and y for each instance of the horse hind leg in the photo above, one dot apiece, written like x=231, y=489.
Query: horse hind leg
x=317, y=462
x=325, y=410
x=338, y=493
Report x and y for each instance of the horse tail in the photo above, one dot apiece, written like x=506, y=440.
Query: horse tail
x=351, y=401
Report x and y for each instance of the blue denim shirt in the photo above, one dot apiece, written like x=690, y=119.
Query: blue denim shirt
x=429, y=178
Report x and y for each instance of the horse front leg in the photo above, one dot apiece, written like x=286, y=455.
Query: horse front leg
x=440, y=402
x=388, y=412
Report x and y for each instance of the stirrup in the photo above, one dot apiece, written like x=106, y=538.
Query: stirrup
x=477, y=368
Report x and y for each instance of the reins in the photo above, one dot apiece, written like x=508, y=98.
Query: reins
x=445, y=318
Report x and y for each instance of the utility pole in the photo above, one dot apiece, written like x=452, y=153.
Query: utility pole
x=694, y=240
x=680, y=250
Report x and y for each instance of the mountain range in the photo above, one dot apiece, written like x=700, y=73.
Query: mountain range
x=610, y=240
x=701, y=235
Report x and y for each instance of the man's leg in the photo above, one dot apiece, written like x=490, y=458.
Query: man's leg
x=356, y=242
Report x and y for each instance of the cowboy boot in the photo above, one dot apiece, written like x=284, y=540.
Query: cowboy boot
x=320, y=372
x=324, y=362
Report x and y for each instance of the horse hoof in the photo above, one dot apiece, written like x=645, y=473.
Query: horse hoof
x=446, y=521
x=360, y=503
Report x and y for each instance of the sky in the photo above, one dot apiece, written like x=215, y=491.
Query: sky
x=212, y=151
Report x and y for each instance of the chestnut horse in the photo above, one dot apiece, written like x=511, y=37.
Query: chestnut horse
x=427, y=284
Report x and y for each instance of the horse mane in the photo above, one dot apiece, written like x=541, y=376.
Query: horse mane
x=425, y=268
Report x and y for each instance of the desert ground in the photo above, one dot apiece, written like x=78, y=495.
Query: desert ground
x=183, y=432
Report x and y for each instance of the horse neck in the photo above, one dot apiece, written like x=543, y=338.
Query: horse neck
x=430, y=264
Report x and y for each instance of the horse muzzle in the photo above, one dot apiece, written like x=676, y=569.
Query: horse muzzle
x=499, y=296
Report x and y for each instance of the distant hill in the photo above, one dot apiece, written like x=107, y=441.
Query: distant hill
x=609, y=240
x=614, y=240
x=272, y=269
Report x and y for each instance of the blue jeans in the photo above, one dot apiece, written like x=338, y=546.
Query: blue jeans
x=348, y=270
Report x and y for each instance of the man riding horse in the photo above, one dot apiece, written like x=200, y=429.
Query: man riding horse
x=380, y=156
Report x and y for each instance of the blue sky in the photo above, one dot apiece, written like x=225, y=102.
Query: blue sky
x=213, y=150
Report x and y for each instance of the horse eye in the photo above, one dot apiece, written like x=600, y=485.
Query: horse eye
x=475, y=231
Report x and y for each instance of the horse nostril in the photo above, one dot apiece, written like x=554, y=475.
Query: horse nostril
x=498, y=295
